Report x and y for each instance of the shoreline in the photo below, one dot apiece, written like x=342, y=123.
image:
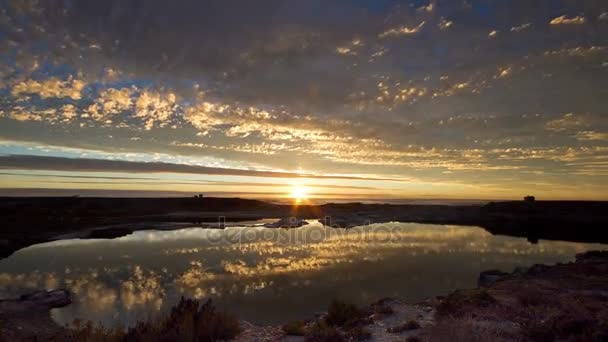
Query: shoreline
x=497, y=309
x=35, y=220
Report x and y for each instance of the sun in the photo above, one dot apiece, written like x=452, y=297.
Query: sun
x=299, y=192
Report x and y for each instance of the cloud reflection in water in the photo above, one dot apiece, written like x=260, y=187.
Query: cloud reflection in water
x=291, y=273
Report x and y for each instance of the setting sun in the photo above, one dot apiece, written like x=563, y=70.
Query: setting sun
x=299, y=192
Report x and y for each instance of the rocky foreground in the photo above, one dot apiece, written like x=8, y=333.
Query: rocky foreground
x=564, y=302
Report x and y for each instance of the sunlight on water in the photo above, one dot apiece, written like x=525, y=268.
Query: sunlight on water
x=266, y=275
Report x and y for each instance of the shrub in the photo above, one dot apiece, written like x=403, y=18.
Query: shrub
x=296, y=328
x=341, y=313
x=321, y=332
x=188, y=321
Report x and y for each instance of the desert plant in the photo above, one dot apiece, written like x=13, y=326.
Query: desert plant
x=321, y=332
x=187, y=321
x=296, y=328
x=341, y=313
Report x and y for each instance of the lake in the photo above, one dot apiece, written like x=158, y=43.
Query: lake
x=266, y=275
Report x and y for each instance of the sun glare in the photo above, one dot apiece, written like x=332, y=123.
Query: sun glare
x=299, y=193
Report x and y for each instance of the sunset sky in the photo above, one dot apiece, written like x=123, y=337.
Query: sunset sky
x=346, y=99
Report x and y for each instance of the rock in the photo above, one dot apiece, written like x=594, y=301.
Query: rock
x=487, y=278
x=28, y=318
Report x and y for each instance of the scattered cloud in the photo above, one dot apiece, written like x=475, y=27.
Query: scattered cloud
x=521, y=28
x=155, y=108
x=402, y=31
x=111, y=102
x=50, y=88
x=568, y=121
x=445, y=24
x=564, y=20
x=592, y=136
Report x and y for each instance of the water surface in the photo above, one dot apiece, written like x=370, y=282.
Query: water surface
x=266, y=275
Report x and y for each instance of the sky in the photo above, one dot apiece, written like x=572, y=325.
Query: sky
x=357, y=99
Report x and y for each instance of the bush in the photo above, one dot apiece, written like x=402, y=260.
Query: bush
x=296, y=328
x=321, y=332
x=341, y=313
x=188, y=321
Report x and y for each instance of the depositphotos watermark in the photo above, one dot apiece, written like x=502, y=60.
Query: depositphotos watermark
x=294, y=230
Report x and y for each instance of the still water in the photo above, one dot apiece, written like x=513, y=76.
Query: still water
x=266, y=275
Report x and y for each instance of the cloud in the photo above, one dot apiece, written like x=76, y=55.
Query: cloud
x=568, y=121
x=30, y=162
x=155, y=108
x=578, y=51
x=592, y=136
x=49, y=88
x=402, y=31
x=445, y=24
x=521, y=27
x=111, y=102
x=327, y=86
x=564, y=20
